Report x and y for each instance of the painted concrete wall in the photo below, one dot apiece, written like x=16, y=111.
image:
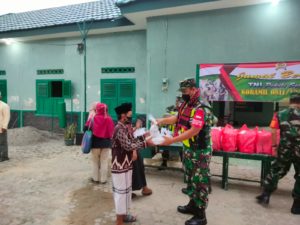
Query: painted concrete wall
x=175, y=44
x=21, y=60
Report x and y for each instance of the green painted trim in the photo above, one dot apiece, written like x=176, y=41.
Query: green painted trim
x=111, y=23
x=197, y=74
x=2, y=72
x=117, y=69
x=50, y=71
x=146, y=5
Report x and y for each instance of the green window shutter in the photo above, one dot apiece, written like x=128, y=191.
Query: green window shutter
x=43, y=92
x=109, y=95
x=127, y=93
x=42, y=88
x=117, y=91
x=67, y=89
x=3, y=90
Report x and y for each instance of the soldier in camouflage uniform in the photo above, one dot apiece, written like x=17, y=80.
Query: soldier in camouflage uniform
x=288, y=121
x=193, y=124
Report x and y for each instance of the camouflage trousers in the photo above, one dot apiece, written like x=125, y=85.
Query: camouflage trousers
x=287, y=155
x=197, y=174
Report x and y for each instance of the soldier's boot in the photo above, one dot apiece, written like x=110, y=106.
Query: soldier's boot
x=199, y=218
x=296, y=207
x=190, y=208
x=264, y=198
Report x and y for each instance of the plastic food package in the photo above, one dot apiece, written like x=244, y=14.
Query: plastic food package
x=264, y=142
x=229, y=139
x=139, y=132
x=216, y=135
x=246, y=140
x=157, y=138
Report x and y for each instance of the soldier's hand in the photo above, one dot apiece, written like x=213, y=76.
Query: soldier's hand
x=3, y=130
x=159, y=121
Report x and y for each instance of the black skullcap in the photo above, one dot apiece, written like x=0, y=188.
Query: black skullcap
x=123, y=108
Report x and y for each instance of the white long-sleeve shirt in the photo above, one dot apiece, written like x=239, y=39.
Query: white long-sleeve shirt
x=4, y=115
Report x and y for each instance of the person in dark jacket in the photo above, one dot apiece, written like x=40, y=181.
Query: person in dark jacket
x=102, y=127
x=138, y=173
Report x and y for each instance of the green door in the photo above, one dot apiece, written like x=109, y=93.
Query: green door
x=117, y=91
x=3, y=90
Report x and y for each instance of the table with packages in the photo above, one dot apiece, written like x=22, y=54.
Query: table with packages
x=265, y=162
x=265, y=165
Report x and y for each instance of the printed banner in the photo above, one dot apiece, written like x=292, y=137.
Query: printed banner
x=259, y=82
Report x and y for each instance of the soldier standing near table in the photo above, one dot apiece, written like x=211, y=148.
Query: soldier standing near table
x=193, y=124
x=288, y=152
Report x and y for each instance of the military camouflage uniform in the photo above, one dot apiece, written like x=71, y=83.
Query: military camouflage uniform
x=197, y=150
x=288, y=150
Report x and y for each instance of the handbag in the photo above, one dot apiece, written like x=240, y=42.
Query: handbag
x=86, y=143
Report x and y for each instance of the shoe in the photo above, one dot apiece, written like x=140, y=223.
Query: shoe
x=146, y=191
x=129, y=218
x=187, y=209
x=296, y=207
x=264, y=198
x=198, y=219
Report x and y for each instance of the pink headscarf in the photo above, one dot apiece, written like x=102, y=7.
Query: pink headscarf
x=103, y=125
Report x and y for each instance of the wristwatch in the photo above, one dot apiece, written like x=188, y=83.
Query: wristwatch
x=274, y=145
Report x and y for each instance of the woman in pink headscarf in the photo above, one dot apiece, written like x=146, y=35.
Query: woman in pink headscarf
x=102, y=127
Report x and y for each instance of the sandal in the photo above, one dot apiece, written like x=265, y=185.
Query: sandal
x=129, y=218
x=147, y=191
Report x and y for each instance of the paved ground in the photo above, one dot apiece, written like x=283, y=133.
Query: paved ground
x=47, y=184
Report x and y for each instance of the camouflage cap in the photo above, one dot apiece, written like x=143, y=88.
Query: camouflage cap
x=187, y=83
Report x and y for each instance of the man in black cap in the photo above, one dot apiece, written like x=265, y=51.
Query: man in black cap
x=123, y=144
x=193, y=124
x=288, y=152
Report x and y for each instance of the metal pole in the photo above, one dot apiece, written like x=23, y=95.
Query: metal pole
x=84, y=32
x=84, y=63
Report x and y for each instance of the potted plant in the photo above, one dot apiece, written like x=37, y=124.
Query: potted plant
x=69, y=135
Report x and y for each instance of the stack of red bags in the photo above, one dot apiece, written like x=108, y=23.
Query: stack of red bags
x=243, y=140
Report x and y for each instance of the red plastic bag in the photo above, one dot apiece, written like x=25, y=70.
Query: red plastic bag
x=264, y=142
x=229, y=139
x=216, y=134
x=246, y=140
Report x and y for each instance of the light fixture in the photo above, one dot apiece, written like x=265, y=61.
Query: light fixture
x=165, y=84
x=80, y=48
x=274, y=2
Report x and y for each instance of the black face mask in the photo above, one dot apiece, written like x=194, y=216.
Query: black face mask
x=129, y=120
x=186, y=98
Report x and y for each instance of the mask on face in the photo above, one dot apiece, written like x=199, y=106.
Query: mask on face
x=186, y=98
x=129, y=119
